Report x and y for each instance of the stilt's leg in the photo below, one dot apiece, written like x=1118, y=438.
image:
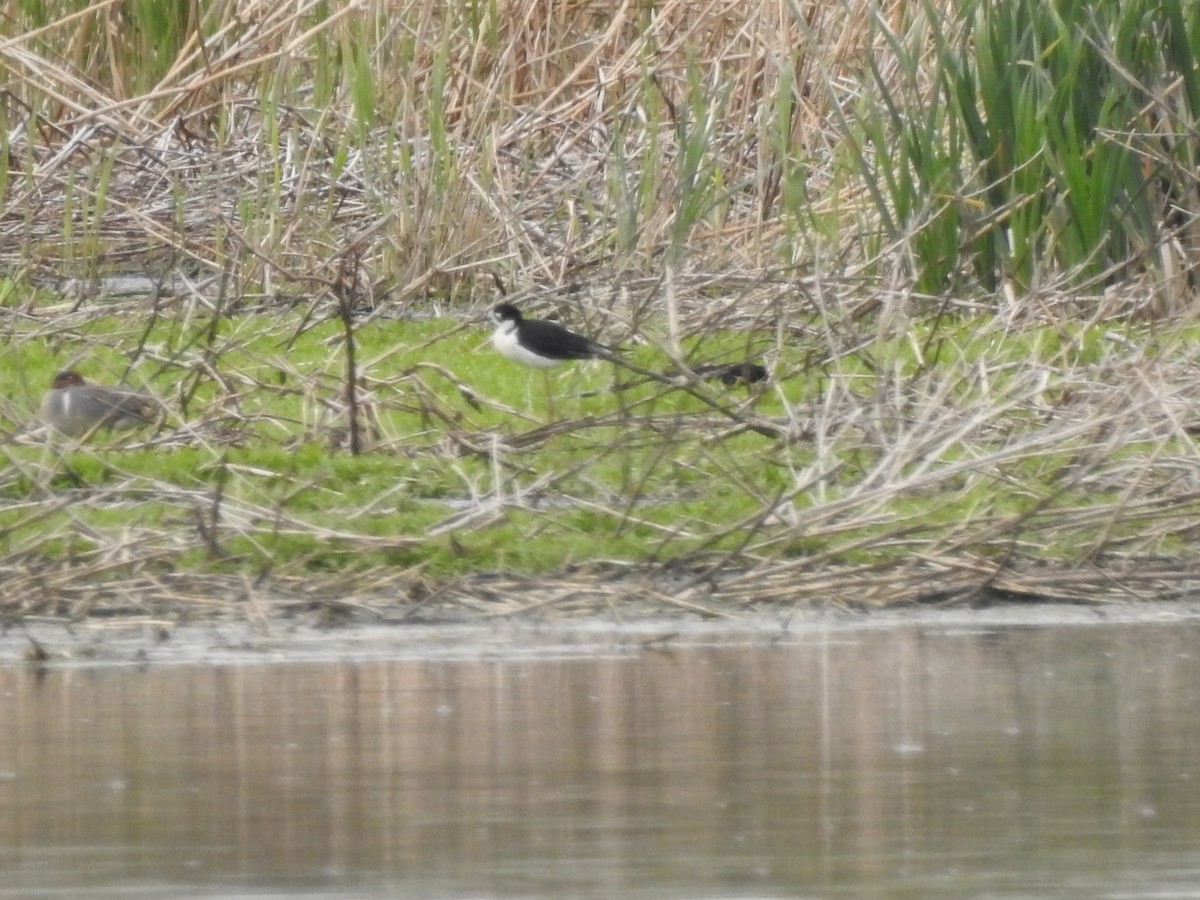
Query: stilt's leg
x=549, y=395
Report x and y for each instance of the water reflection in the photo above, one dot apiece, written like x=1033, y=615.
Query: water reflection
x=1019, y=762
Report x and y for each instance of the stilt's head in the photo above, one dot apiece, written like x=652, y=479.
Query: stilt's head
x=505, y=313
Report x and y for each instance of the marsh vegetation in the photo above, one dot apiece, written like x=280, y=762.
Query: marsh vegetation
x=959, y=237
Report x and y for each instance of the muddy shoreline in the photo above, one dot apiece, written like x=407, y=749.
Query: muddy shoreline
x=46, y=643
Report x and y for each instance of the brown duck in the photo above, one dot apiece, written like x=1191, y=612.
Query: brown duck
x=76, y=408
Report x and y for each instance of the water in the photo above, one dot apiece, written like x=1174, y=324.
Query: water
x=914, y=760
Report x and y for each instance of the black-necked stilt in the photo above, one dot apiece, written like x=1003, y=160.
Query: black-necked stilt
x=74, y=407
x=729, y=374
x=536, y=342
x=734, y=373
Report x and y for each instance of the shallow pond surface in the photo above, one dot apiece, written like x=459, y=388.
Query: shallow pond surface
x=961, y=756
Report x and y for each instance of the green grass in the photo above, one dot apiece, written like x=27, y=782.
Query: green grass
x=934, y=440
x=295, y=496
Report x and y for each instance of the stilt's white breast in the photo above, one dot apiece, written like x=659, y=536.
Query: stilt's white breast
x=505, y=340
